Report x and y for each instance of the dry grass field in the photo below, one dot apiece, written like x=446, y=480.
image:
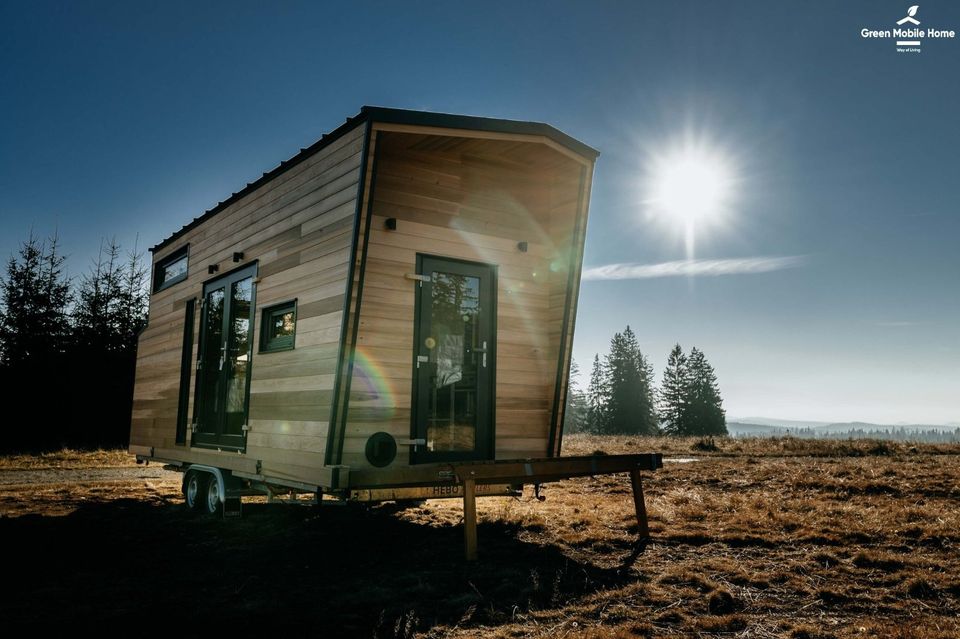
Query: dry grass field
x=753, y=538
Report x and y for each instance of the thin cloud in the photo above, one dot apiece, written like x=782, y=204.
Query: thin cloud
x=693, y=268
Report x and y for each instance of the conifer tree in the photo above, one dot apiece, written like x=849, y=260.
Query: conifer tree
x=134, y=298
x=34, y=340
x=575, y=407
x=34, y=295
x=597, y=398
x=108, y=315
x=630, y=406
x=673, y=394
x=705, y=414
x=111, y=302
x=647, y=406
x=95, y=314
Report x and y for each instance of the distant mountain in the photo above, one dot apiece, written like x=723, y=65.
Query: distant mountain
x=780, y=423
x=834, y=427
x=844, y=430
x=740, y=429
x=848, y=426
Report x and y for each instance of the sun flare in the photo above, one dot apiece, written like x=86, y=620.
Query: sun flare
x=690, y=186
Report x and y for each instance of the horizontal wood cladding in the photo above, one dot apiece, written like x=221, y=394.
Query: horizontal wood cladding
x=470, y=199
x=298, y=227
x=466, y=195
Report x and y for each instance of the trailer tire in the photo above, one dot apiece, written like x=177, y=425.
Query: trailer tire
x=210, y=501
x=195, y=490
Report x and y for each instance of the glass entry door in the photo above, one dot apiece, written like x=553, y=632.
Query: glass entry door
x=223, y=362
x=454, y=360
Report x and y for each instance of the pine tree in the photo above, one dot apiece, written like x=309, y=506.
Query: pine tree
x=673, y=394
x=109, y=313
x=646, y=404
x=34, y=294
x=34, y=343
x=705, y=414
x=597, y=394
x=134, y=299
x=111, y=303
x=630, y=408
x=575, y=409
x=95, y=314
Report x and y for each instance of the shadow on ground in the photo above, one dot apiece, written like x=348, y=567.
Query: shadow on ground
x=340, y=571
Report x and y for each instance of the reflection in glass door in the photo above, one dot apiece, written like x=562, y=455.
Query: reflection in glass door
x=223, y=363
x=454, y=360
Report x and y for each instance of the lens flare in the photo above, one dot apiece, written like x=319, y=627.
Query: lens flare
x=372, y=387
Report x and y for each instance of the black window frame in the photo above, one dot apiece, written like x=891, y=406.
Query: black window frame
x=159, y=284
x=277, y=344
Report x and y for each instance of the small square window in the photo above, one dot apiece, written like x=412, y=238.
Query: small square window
x=171, y=269
x=279, y=327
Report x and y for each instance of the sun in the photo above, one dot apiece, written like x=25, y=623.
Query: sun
x=690, y=185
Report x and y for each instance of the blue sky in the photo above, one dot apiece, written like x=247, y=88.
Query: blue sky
x=129, y=119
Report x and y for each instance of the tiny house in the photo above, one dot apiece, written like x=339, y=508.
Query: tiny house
x=389, y=307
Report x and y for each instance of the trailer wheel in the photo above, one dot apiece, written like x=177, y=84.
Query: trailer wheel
x=211, y=497
x=194, y=490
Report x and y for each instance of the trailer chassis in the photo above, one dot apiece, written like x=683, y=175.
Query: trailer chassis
x=463, y=480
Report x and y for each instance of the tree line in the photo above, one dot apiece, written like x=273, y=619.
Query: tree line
x=68, y=346
x=899, y=434
x=621, y=397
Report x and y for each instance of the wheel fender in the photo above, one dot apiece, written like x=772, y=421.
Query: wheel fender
x=217, y=473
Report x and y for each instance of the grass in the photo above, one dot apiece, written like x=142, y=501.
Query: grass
x=750, y=446
x=803, y=539
x=69, y=458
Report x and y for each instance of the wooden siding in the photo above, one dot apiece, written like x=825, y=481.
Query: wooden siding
x=472, y=199
x=298, y=227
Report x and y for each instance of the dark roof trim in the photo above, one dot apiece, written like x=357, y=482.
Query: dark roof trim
x=396, y=116
x=474, y=123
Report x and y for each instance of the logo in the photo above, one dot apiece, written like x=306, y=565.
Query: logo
x=912, y=11
x=908, y=39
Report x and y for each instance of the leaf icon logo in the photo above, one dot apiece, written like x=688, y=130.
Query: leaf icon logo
x=912, y=11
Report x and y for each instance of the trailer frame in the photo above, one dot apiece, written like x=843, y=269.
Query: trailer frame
x=462, y=480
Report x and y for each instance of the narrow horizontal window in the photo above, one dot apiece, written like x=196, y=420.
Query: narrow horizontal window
x=171, y=269
x=279, y=327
